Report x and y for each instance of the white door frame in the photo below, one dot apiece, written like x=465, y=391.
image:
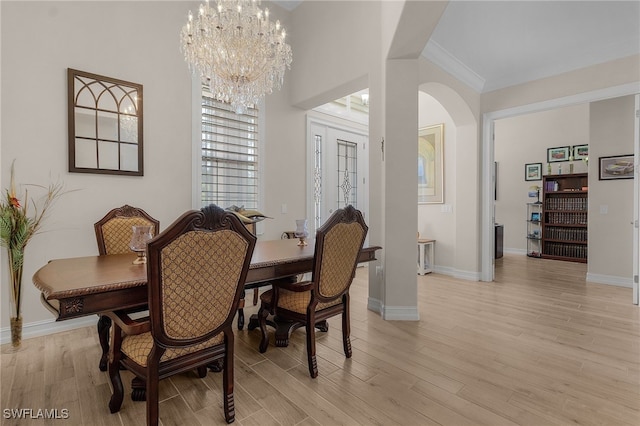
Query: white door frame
x=636, y=200
x=488, y=174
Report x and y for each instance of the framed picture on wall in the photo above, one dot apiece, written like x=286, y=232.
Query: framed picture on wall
x=431, y=164
x=561, y=153
x=580, y=152
x=615, y=167
x=533, y=171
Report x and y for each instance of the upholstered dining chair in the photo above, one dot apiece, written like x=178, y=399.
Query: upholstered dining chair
x=113, y=234
x=310, y=303
x=196, y=270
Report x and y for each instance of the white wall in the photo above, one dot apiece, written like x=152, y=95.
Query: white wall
x=598, y=77
x=610, y=201
x=525, y=139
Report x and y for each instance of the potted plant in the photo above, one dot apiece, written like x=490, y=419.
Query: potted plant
x=17, y=227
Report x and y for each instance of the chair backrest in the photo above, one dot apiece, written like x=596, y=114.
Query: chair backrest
x=114, y=230
x=196, y=272
x=338, y=244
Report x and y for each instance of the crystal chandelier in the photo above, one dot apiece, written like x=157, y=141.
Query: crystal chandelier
x=238, y=52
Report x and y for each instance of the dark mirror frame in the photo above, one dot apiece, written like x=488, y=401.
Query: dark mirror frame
x=105, y=125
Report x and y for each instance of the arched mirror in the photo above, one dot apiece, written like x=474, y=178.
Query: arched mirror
x=105, y=125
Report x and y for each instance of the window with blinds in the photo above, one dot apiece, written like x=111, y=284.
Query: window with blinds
x=229, y=155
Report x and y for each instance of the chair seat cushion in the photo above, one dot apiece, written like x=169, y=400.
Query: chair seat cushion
x=296, y=301
x=138, y=347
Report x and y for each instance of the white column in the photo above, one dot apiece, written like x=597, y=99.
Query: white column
x=401, y=183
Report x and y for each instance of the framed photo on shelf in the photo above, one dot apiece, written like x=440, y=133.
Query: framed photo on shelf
x=561, y=153
x=535, y=217
x=533, y=171
x=580, y=152
x=431, y=165
x=615, y=167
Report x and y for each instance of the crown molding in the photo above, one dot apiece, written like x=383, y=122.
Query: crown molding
x=445, y=60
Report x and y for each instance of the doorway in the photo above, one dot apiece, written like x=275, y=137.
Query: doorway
x=337, y=164
x=488, y=174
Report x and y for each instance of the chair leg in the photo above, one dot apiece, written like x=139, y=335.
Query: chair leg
x=346, y=328
x=311, y=348
x=114, y=372
x=263, y=313
x=256, y=293
x=104, y=324
x=153, y=410
x=227, y=380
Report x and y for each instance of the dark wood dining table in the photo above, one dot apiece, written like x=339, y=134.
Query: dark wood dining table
x=80, y=286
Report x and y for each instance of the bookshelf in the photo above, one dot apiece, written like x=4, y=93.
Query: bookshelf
x=534, y=229
x=565, y=204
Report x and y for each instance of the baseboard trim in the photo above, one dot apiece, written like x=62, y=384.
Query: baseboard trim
x=374, y=305
x=400, y=313
x=45, y=327
x=610, y=280
x=514, y=251
x=456, y=273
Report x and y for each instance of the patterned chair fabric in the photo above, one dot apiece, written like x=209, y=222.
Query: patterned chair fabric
x=196, y=271
x=113, y=231
x=309, y=304
x=138, y=347
x=117, y=233
x=211, y=263
x=342, y=245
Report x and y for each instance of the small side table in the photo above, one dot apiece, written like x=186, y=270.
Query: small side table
x=426, y=256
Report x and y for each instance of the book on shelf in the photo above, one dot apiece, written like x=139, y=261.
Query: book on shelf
x=551, y=186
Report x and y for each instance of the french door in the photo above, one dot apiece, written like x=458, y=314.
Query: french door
x=338, y=167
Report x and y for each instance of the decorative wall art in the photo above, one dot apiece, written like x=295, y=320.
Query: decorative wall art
x=533, y=171
x=105, y=124
x=615, y=167
x=580, y=152
x=431, y=164
x=561, y=153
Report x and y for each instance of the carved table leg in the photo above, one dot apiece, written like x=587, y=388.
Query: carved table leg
x=284, y=330
x=104, y=324
x=253, y=322
x=138, y=389
x=323, y=326
x=217, y=365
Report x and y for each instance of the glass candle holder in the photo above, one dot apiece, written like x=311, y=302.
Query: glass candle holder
x=139, y=239
x=301, y=232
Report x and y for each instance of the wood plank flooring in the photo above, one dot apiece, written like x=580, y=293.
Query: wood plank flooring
x=538, y=346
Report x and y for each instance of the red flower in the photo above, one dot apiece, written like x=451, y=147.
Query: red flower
x=14, y=202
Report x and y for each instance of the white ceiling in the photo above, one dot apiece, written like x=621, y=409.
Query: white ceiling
x=495, y=44
x=510, y=42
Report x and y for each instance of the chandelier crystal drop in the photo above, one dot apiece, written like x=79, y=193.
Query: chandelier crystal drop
x=239, y=53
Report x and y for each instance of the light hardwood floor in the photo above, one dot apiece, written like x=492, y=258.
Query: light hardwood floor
x=538, y=346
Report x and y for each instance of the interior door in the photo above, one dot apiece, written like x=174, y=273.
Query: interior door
x=338, y=158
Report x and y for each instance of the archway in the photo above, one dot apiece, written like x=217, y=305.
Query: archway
x=466, y=194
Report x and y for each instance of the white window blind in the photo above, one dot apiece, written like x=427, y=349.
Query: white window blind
x=229, y=155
